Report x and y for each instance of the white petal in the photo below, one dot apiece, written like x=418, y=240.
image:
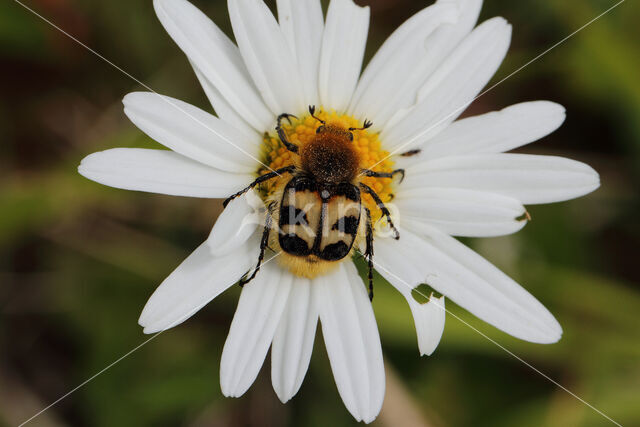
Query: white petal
x=302, y=25
x=452, y=87
x=199, y=279
x=466, y=278
x=451, y=35
x=237, y=222
x=293, y=342
x=216, y=56
x=267, y=55
x=160, y=171
x=529, y=178
x=222, y=108
x=405, y=60
x=260, y=308
x=483, y=50
x=351, y=337
x=429, y=320
x=380, y=97
x=343, y=43
x=193, y=132
x=461, y=212
x=497, y=131
x=405, y=276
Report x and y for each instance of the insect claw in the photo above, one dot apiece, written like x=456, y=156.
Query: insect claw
x=401, y=172
x=288, y=117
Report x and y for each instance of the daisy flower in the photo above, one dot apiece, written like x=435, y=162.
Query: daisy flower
x=458, y=181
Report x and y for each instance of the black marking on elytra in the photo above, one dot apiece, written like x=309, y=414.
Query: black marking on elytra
x=294, y=245
x=335, y=251
x=290, y=215
x=318, y=240
x=347, y=190
x=302, y=183
x=347, y=224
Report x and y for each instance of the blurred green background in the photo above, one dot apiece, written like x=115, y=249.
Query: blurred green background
x=79, y=260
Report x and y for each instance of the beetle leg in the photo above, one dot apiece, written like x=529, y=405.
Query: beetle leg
x=368, y=253
x=382, y=207
x=263, y=246
x=368, y=172
x=283, y=135
x=262, y=178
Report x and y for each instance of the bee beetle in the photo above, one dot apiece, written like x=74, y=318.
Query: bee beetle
x=318, y=213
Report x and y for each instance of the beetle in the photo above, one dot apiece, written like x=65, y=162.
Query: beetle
x=319, y=213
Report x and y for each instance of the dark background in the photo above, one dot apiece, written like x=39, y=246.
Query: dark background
x=78, y=260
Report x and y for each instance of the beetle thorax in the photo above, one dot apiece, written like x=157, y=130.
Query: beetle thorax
x=330, y=156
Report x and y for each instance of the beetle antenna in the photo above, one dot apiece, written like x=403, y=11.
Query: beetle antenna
x=367, y=125
x=312, y=111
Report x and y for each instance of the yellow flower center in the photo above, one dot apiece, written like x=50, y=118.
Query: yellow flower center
x=301, y=131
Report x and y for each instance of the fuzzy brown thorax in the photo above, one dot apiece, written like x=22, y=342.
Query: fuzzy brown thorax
x=330, y=156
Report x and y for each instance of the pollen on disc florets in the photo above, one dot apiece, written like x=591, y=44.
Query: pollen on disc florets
x=302, y=130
